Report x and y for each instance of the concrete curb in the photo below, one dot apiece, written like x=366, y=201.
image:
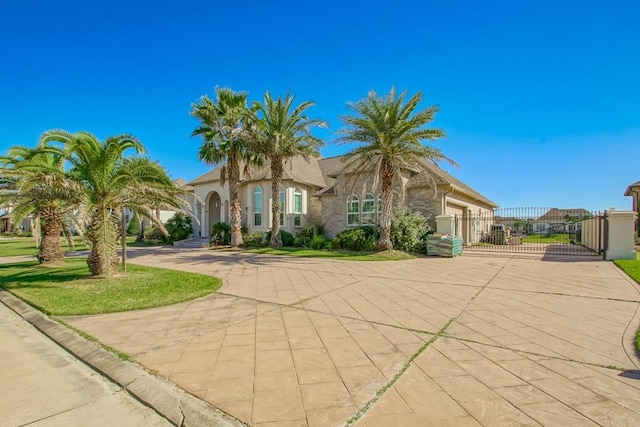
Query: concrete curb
x=170, y=401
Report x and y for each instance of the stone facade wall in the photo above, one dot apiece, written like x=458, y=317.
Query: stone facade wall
x=426, y=202
x=334, y=207
x=314, y=210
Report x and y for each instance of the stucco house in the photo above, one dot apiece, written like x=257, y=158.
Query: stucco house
x=560, y=220
x=633, y=191
x=329, y=191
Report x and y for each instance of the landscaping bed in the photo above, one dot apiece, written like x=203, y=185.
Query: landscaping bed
x=345, y=255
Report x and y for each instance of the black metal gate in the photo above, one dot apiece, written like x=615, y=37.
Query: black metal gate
x=533, y=230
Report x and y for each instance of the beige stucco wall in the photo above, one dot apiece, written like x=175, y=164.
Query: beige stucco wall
x=620, y=242
x=310, y=206
x=205, y=191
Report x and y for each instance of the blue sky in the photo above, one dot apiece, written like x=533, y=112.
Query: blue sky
x=540, y=99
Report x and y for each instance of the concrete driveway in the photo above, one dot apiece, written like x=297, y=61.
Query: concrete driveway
x=472, y=340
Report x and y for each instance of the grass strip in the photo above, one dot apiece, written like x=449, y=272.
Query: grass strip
x=68, y=289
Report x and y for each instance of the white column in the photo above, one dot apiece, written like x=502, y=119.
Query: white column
x=620, y=235
x=444, y=224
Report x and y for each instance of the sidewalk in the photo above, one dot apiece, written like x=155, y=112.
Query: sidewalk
x=42, y=385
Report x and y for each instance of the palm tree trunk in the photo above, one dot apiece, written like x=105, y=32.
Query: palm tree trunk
x=276, y=180
x=50, y=249
x=234, y=200
x=103, y=257
x=387, y=172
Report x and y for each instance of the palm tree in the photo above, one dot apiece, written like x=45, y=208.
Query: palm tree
x=391, y=134
x=280, y=131
x=38, y=185
x=222, y=124
x=107, y=182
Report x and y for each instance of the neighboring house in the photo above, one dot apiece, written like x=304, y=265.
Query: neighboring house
x=191, y=205
x=633, y=191
x=6, y=221
x=560, y=221
x=330, y=192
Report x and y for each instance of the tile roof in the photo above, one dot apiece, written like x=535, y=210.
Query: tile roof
x=443, y=177
x=635, y=187
x=296, y=169
x=555, y=214
x=322, y=173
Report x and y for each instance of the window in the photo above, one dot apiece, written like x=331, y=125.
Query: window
x=257, y=206
x=353, y=210
x=379, y=208
x=369, y=209
x=297, y=207
x=282, y=205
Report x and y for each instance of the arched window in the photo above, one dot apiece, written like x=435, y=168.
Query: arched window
x=353, y=210
x=297, y=207
x=369, y=209
x=282, y=205
x=257, y=206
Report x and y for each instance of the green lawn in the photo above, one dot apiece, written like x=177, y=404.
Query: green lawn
x=69, y=289
x=345, y=255
x=632, y=268
x=547, y=238
x=13, y=246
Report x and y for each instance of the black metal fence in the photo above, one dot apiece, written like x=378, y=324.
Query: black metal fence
x=533, y=230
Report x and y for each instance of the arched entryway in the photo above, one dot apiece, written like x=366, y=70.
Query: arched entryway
x=214, y=207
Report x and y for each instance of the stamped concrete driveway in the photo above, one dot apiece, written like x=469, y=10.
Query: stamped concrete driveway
x=466, y=341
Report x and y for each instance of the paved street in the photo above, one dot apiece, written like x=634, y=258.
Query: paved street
x=42, y=385
x=472, y=340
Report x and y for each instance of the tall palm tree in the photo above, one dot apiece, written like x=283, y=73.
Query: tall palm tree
x=280, y=131
x=107, y=182
x=222, y=127
x=391, y=134
x=38, y=185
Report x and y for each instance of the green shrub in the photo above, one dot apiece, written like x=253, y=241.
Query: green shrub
x=179, y=227
x=307, y=233
x=220, y=234
x=407, y=229
x=134, y=226
x=287, y=238
x=356, y=239
x=154, y=235
x=253, y=239
x=319, y=243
